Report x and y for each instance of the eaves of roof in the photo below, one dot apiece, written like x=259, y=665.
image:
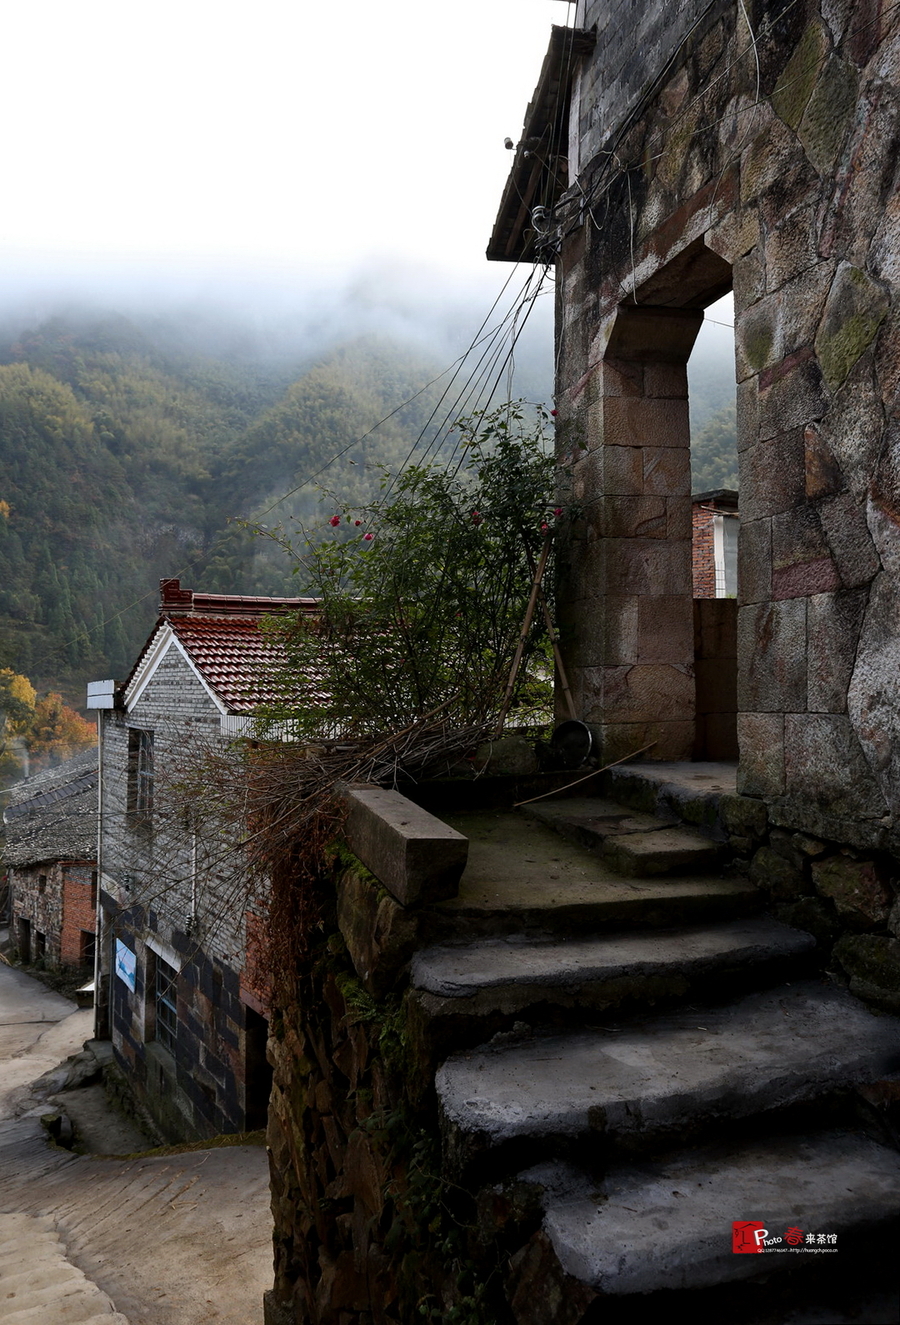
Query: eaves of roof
x=539, y=174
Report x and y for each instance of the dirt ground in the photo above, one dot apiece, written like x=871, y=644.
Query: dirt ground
x=179, y=1239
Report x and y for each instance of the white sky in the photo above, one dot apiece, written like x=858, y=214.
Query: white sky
x=261, y=139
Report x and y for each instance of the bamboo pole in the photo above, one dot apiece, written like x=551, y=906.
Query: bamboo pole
x=526, y=626
x=564, y=680
x=593, y=773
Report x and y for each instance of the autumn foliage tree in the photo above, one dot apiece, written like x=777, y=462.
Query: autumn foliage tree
x=36, y=733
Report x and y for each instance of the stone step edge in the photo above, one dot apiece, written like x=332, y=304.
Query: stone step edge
x=795, y=1044
x=758, y=940
x=670, y=1223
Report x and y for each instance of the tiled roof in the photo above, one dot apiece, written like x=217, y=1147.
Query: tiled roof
x=173, y=599
x=53, y=815
x=222, y=636
x=236, y=659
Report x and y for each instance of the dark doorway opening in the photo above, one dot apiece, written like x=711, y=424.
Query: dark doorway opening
x=258, y=1073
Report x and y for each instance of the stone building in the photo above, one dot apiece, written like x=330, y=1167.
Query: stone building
x=182, y=995
x=50, y=856
x=670, y=155
x=575, y=1096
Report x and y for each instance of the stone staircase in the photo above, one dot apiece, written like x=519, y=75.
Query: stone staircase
x=630, y=1059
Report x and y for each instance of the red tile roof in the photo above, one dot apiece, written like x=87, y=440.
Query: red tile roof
x=235, y=658
x=222, y=636
x=175, y=600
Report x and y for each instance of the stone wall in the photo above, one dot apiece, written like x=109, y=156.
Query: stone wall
x=369, y=1230
x=766, y=162
x=56, y=897
x=201, y=1088
x=635, y=44
x=37, y=895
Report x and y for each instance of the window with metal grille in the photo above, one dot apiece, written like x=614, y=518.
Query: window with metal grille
x=166, y=1000
x=140, y=774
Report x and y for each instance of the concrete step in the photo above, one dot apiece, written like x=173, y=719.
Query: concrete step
x=523, y=876
x=589, y=820
x=688, y=791
x=634, y=844
x=510, y=974
x=639, y=1083
x=667, y=1224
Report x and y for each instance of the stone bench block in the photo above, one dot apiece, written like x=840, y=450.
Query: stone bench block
x=414, y=855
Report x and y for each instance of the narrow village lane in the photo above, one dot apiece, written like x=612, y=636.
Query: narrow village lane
x=151, y=1240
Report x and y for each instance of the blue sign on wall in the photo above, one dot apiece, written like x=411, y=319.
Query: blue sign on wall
x=126, y=962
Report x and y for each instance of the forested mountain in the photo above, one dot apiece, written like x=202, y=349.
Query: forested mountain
x=127, y=454
x=123, y=460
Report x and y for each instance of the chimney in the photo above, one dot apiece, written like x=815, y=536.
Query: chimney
x=172, y=598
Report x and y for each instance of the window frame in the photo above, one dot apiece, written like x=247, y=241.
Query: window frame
x=165, y=1004
x=140, y=774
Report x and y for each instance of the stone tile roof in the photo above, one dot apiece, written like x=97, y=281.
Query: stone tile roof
x=53, y=815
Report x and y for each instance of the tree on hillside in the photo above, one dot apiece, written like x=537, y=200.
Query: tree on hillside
x=714, y=453
x=36, y=733
x=56, y=733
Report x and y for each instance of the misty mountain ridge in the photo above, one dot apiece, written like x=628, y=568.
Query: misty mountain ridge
x=129, y=452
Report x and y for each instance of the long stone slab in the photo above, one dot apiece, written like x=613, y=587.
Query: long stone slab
x=589, y=820
x=502, y=973
x=785, y=1046
x=417, y=857
x=668, y=1224
x=666, y=851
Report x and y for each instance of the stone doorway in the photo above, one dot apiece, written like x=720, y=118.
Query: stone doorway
x=628, y=568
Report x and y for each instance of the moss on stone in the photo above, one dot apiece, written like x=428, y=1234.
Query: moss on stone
x=757, y=339
x=871, y=958
x=779, y=877
x=744, y=815
x=673, y=160
x=798, y=79
x=855, y=309
x=829, y=113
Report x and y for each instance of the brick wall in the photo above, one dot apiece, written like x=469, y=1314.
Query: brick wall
x=79, y=912
x=704, y=559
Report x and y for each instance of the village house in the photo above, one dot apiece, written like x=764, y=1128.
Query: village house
x=715, y=521
x=50, y=857
x=181, y=994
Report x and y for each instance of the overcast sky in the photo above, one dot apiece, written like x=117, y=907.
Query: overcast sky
x=184, y=139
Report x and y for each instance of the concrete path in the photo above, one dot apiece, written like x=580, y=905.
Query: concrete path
x=152, y=1240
